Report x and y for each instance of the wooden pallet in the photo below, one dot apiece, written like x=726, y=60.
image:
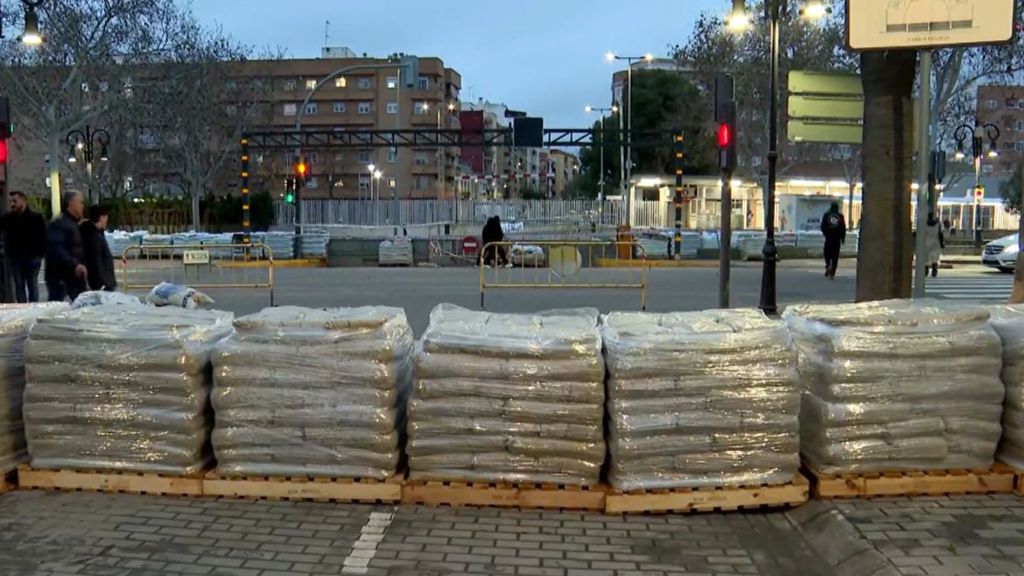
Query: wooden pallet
x=363, y=490
x=997, y=480
x=8, y=481
x=709, y=499
x=527, y=496
x=110, y=481
x=1018, y=478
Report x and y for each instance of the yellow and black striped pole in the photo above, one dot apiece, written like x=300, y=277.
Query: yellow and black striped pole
x=246, y=211
x=679, y=198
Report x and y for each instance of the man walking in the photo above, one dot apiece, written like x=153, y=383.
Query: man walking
x=24, y=233
x=98, y=260
x=833, y=226
x=66, y=274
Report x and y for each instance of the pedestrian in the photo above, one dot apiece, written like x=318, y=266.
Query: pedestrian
x=66, y=274
x=935, y=243
x=833, y=226
x=492, y=233
x=98, y=260
x=24, y=234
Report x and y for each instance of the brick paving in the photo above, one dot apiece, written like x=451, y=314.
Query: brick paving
x=53, y=534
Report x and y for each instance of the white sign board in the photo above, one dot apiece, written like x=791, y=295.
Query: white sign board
x=885, y=24
x=195, y=257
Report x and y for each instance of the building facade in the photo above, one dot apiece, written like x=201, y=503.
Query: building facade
x=1002, y=106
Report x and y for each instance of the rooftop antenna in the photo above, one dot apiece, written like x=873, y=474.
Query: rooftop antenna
x=327, y=33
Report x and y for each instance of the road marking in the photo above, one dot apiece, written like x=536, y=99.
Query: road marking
x=978, y=287
x=364, y=549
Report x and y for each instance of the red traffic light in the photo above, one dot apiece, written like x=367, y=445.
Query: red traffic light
x=3, y=151
x=724, y=135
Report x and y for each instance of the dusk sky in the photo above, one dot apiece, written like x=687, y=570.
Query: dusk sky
x=545, y=57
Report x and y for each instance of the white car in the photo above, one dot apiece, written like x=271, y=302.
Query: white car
x=1002, y=253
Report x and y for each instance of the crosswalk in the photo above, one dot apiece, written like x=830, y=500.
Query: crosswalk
x=986, y=287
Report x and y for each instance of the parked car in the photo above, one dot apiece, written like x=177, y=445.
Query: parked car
x=1002, y=253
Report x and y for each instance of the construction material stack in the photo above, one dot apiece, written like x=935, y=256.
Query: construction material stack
x=121, y=388
x=700, y=399
x=508, y=398
x=1008, y=322
x=898, y=386
x=303, y=392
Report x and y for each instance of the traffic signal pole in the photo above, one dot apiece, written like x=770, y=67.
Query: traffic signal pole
x=725, y=114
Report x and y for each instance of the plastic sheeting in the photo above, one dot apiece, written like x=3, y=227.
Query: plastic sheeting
x=310, y=392
x=898, y=386
x=15, y=322
x=700, y=399
x=508, y=398
x=119, y=387
x=395, y=252
x=1008, y=322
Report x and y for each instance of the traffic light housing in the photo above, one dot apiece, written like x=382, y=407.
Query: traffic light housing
x=727, y=137
x=3, y=151
x=301, y=172
x=979, y=194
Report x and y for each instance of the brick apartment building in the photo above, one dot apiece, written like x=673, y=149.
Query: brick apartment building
x=1003, y=106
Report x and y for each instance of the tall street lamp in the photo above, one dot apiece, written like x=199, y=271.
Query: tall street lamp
x=739, y=20
x=371, y=168
x=441, y=172
x=31, y=35
x=84, y=142
x=612, y=57
x=977, y=135
x=600, y=136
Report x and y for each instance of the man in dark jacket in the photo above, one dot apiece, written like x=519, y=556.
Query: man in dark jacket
x=24, y=233
x=833, y=226
x=66, y=273
x=98, y=260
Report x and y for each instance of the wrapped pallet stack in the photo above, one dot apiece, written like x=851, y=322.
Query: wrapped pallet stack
x=303, y=392
x=898, y=386
x=508, y=398
x=15, y=322
x=700, y=399
x=1008, y=322
x=121, y=387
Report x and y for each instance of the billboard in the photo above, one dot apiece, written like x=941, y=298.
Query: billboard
x=885, y=24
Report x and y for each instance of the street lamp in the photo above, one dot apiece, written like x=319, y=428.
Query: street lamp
x=600, y=135
x=84, y=142
x=977, y=134
x=611, y=57
x=371, y=168
x=739, y=20
x=31, y=36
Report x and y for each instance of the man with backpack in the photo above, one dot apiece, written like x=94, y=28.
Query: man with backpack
x=833, y=226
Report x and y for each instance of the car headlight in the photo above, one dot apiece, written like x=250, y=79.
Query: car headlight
x=1011, y=249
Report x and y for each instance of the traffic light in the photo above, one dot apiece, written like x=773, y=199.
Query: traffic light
x=3, y=151
x=979, y=194
x=289, y=190
x=301, y=172
x=727, y=137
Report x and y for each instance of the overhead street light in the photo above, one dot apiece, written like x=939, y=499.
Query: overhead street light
x=588, y=109
x=31, y=36
x=738, y=21
x=977, y=135
x=84, y=142
x=628, y=161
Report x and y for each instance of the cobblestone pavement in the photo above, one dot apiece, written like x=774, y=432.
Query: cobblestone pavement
x=51, y=534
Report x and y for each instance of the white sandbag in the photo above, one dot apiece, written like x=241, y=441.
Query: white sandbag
x=1008, y=322
x=167, y=294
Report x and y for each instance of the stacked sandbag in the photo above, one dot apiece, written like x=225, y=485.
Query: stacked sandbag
x=898, y=386
x=122, y=387
x=310, y=392
x=700, y=399
x=1008, y=322
x=508, y=398
x=15, y=322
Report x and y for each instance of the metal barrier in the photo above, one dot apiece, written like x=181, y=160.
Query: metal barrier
x=564, y=265
x=203, y=266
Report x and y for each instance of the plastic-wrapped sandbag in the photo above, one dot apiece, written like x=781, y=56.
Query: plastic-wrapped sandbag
x=700, y=399
x=304, y=392
x=102, y=297
x=508, y=398
x=118, y=387
x=897, y=386
x=167, y=294
x=15, y=322
x=1008, y=322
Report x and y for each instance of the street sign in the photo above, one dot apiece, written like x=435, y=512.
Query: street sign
x=841, y=108
x=827, y=132
x=470, y=245
x=916, y=24
x=825, y=107
x=195, y=257
x=831, y=83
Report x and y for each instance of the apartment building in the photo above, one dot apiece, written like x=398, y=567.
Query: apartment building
x=1002, y=106
x=564, y=168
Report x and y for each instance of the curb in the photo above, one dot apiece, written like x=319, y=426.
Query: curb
x=836, y=541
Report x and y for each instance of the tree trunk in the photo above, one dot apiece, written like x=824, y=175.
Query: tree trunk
x=884, y=263
x=1017, y=297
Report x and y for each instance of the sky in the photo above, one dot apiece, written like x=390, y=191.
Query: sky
x=545, y=57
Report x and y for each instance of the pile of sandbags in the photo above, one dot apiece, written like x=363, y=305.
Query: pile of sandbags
x=1008, y=322
x=15, y=322
x=395, y=252
x=310, y=392
x=898, y=386
x=700, y=399
x=508, y=398
x=121, y=387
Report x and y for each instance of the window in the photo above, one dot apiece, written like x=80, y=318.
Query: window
x=364, y=83
x=313, y=158
x=310, y=84
x=421, y=159
x=423, y=83
x=392, y=155
x=392, y=183
x=422, y=108
x=291, y=109
x=104, y=86
x=312, y=109
x=85, y=87
x=1018, y=146
x=987, y=168
x=289, y=85
x=1019, y=126
x=231, y=84
x=365, y=157
x=364, y=107
x=993, y=104
x=339, y=157
x=231, y=110
x=364, y=182
x=392, y=82
x=392, y=107
x=340, y=82
x=339, y=107
x=423, y=182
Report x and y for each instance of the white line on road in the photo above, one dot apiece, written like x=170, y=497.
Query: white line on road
x=364, y=549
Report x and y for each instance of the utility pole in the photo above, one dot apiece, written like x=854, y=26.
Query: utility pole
x=923, y=162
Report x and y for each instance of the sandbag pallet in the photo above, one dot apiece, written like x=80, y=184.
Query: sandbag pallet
x=111, y=481
x=709, y=499
x=997, y=480
x=306, y=488
x=525, y=496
